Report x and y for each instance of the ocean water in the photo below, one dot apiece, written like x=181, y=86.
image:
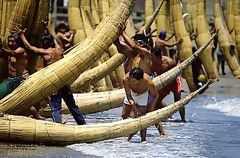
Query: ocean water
x=212, y=130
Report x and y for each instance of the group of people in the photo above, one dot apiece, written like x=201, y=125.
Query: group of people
x=52, y=48
x=144, y=61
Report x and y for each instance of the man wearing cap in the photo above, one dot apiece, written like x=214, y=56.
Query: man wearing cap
x=162, y=42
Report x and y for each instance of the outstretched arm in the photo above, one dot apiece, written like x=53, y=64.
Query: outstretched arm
x=172, y=44
x=128, y=40
x=27, y=44
x=140, y=50
x=170, y=37
x=122, y=47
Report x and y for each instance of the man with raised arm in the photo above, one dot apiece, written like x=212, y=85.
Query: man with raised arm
x=162, y=42
x=138, y=87
x=18, y=63
x=51, y=53
x=136, y=50
x=63, y=36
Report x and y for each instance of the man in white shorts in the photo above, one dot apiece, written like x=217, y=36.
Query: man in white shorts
x=138, y=86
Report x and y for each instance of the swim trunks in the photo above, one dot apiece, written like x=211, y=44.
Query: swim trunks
x=141, y=99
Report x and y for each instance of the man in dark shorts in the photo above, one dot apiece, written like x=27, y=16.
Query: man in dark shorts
x=51, y=52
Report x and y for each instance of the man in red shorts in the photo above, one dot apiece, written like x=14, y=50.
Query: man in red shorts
x=161, y=64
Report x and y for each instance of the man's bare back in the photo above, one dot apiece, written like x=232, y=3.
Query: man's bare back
x=142, y=58
x=162, y=45
x=53, y=55
x=51, y=51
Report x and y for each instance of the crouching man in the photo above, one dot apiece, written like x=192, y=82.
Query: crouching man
x=138, y=87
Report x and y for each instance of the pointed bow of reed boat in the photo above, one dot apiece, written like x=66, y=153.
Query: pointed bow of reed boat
x=19, y=129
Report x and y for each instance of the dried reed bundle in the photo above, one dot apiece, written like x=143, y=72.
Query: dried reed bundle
x=236, y=25
x=66, y=70
x=162, y=17
x=22, y=15
x=18, y=129
x=96, y=102
x=225, y=40
x=185, y=48
x=75, y=20
x=203, y=35
x=230, y=24
x=88, y=28
x=94, y=75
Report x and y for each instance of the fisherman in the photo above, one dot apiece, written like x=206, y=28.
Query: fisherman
x=63, y=36
x=127, y=51
x=17, y=62
x=162, y=42
x=136, y=50
x=138, y=87
x=161, y=64
x=52, y=52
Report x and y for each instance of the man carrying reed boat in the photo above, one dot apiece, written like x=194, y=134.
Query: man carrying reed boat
x=52, y=52
x=127, y=51
x=18, y=63
x=63, y=36
x=137, y=52
x=162, y=42
x=161, y=64
x=141, y=95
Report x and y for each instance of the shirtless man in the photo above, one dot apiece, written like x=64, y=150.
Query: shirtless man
x=51, y=53
x=162, y=42
x=141, y=46
x=161, y=64
x=138, y=86
x=63, y=36
x=17, y=58
x=127, y=51
x=137, y=51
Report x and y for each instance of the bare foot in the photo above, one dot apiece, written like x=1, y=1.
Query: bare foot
x=163, y=135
